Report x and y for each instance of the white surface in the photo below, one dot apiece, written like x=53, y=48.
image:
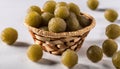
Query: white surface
x=12, y=13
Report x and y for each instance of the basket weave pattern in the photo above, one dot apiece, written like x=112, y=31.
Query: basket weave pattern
x=57, y=43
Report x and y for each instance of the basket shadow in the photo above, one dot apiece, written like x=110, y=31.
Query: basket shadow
x=21, y=44
x=87, y=44
x=45, y=61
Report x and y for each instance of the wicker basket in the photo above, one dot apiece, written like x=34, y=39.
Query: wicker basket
x=57, y=43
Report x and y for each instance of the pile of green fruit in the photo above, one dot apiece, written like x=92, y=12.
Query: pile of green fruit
x=56, y=17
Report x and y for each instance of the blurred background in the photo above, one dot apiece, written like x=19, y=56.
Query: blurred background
x=12, y=14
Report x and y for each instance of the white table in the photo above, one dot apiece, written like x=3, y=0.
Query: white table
x=12, y=14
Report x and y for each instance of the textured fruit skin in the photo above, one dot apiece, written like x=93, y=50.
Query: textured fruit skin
x=92, y=4
x=45, y=28
x=109, y=47
x=69, y=58
x=59, y=4
x=34, y=52
x=46, y=16
x=62, y=12
x=94, y=53
x=57, y=25
x=33, y=19
x=116, y=60
x=72, y=23
x=34, y=8
x=111, y=15
x=74, y=8
x=84, y=21
x=113, y=31
x=49, y=6
x=9, y=35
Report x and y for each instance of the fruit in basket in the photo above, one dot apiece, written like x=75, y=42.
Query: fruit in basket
x=45, y=28
x=109, y=47
x=9, y=35
x=111, y=15
x=113, y=31
x=74, y=8
x=69, y=58
x=84, y=21
x=46, y=16
x=94, y=53
x=49, y=6
x=34, y=8
x=116, y=60
x=72, y=23
x=57, y=25
x=59, y=4
x=93, y=4
x=62, y=12
x=33, y=19
x=34, y=52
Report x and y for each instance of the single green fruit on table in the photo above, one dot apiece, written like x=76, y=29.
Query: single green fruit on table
x=111, y=15
x=116, y=60
x=9, y=35
x=94, y=53
x=69, y=58
x=109, y=47
x=113, y=31
x=93, y=4
x=35, y=52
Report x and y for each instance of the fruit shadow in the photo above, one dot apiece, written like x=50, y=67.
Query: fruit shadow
x=87, y=44
x=101, y=9
x=45, y=61
x=117, y=21
x=21, y=44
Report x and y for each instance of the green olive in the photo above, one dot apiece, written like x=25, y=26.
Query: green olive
x=94, y=53
x=109, y=47
x=69, y=58
x=111, y=15
x=33, y=19
x=35, y=52
x=49, y=6
x=116, y=60
x=93, y=4
x=113, y=31
x=9, y=35
x=34, y=8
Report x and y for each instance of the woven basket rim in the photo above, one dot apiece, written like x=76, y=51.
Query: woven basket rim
x=63, y=34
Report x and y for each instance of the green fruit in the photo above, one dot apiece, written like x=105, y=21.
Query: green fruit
x=93, y=4
x=34, y=52
x=62, y=12
x=49, y=6
x=69, y=58
x=84, y=21
x=35, y=8
x=9, y=35
x=113, y=31
x=33, y=19
x=94, y=53
x=57, y=25
x=111, y=15
x=72, y=23
x=59, y=4
x=74, y=8
x=109, y=47
x=45, y=28
x=116, y=60
x=46, y=16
